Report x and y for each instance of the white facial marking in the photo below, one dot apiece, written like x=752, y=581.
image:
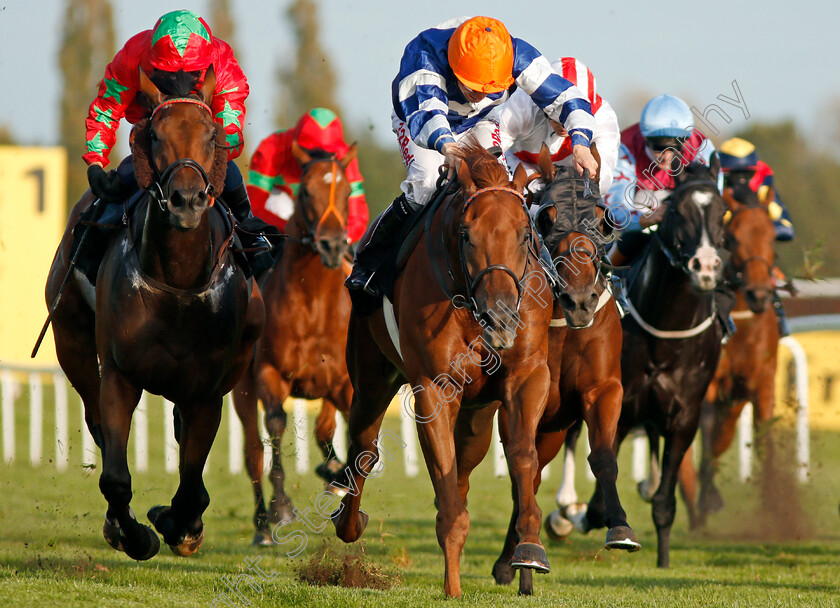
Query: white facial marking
x=328, y=178
x=702, y=198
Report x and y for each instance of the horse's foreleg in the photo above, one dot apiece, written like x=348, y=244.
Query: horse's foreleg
x=765, y=397
x=602, y=408
x=180, y=524
x=324, y=433
x=718, y=421
x=245, y=403
x=473, y=434
x=664, y=502
x=121, y=530
x=566, y=492
x=435, y=427
x=273, y=390
x=688, y=488
x=522, y=412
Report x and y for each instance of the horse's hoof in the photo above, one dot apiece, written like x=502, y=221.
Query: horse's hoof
x=282, y=511
x=557, y=527
x=338, y=522
x=577, y=515
x=622, y=537
x=710, y=501
x=111, y=532
x=189, y=545
x=145, y=550
x=330, y=471
x=503, y=572
x=337, y=491
x=645, y=489
x=530, y=555
x=262, y=538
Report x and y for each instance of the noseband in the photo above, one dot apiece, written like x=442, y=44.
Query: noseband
x=313, y=235
x=674, y=253
x=159, y=189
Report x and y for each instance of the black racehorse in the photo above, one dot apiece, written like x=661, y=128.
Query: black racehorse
x=672, y=336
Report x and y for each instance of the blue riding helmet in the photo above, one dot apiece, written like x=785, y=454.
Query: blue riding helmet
x=666, y=116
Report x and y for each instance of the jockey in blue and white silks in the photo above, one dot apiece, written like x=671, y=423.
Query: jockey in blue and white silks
x=431, y=109
x=451, y=81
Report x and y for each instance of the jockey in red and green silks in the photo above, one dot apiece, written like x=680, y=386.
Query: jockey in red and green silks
x=274, y=173
x=180, y=44
x=180, y=40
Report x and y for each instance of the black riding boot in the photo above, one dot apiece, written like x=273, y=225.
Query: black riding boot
x=262, y=255
x=781, y=316
x=375, y=245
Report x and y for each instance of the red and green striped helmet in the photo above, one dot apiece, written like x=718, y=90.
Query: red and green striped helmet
x=181, y=40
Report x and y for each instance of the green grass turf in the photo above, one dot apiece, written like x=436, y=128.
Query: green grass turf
x=52, y=552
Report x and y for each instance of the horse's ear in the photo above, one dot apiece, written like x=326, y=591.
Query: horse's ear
x=348, y=158
x=546, y=166
x=148, y=88
x=520, y=178
x=714, y=166
x=208, y=89
x=300, y=154
x=466, y=180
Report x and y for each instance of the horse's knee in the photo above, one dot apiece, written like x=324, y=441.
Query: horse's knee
x=452, y=529
x=275, y=421
x=604, y=464
x=664, y=510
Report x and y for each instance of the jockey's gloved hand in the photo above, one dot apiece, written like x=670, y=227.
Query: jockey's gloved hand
x=107, y=185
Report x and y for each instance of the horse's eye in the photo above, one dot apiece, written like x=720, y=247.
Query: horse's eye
x=152, y=135
x=465, y=237
x=526, y=238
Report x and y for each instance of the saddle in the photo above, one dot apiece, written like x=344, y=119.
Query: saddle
x=389, y=268
x=101, y=221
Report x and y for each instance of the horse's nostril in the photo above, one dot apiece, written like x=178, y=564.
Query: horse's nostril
x=567, y=302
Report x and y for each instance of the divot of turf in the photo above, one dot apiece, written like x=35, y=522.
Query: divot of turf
x=344, y=567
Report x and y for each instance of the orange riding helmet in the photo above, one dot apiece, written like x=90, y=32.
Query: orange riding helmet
x=481, y=55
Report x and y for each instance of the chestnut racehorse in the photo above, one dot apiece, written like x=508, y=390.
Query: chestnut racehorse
x=463, y=332
x=584, y=355
x=301, y=351
x=173, y=315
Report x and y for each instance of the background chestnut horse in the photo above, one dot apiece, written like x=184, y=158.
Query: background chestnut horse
x=489, y=347
x=584, y=353
x=174, y=315
x=301, y=351
x=672, y=338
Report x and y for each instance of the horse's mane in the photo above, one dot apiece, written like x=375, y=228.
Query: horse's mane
x=141, y=151
x=485, y=169
x=175, y=84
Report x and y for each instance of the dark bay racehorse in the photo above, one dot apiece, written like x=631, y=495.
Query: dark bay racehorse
x=747, y=368
x=173, y=315
x=672, y=338
x=302, y=350
x=584, y=356
x=462, y=360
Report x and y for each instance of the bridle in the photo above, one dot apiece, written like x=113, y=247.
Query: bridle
x=467, y=299
x=737, y=269
x=312, y=231
x=673, y=252
x=159, y=190
x=593, y=255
